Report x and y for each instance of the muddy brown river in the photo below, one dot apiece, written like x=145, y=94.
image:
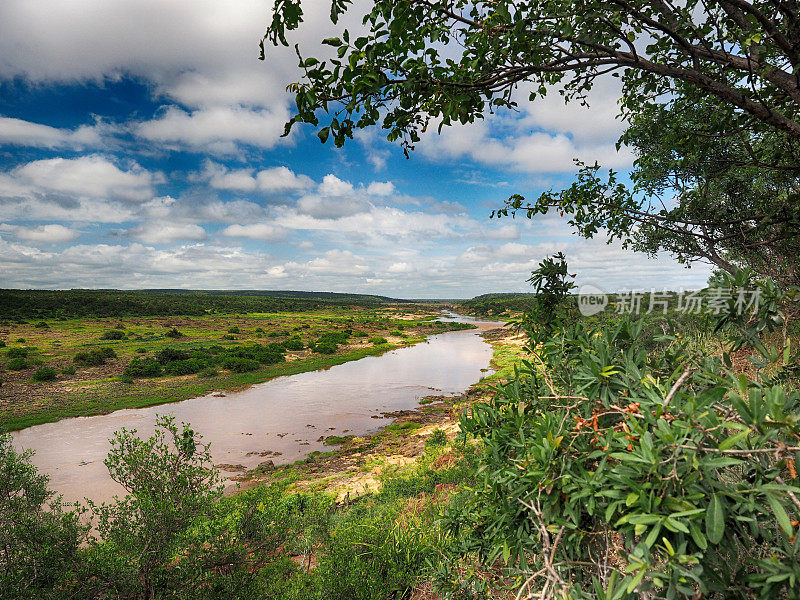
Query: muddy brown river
x=286, y=415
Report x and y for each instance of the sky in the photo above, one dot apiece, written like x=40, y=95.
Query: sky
x=140, y=147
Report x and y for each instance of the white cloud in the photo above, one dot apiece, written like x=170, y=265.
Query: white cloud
x=381, y=188
x=26, y=133
x=216, y=130
x=51, y=233
x=256, y=231
x=161, y=233
x=91, y=176
x=269, y=181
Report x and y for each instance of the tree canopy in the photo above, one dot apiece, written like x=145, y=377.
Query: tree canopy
x=710, y=91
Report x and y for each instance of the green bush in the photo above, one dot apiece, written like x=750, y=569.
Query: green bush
x=20, y=340
x=68, y=370
x=208, y=372
x=113, y=334
x=436, y=438
x=171, y=354
x=668, y=452
x=233, y=330
x=41, y=543
x=94, y=358
x=2, y=344
x=173, y=333
x=44, y=374
x=293, y=343
x=240, y=365
x=42, y=325
x=17, y=353
x=228, y=337
x=185, y=367
x=17, y=364
x=143, y=367
x=325, y=347
x=378, y=340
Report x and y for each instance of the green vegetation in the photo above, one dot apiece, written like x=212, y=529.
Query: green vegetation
x=174, y=536
x=114, y=334
x=378, y=340
x=28, y=304
x=44, y=374
x=106, y=377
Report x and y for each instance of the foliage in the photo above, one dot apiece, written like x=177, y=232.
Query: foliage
x=94, y=358
x=38, y=540
x=173, y=333
x=378, y=340
x=45, y=373
x=17, y=364
x=17, y=352
x=708, y=89
x=113, y=334
x=293, y=343
x=143, y=367
x=141, y=546
x=115, y=303
x=612, y=470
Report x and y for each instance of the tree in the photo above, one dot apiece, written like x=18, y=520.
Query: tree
x=142, y=549
x=38, y=541
x=728, y=67
x=701, y=190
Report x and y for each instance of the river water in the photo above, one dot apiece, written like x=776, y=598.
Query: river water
x=286, y=415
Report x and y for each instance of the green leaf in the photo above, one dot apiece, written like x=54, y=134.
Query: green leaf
x=715, y=520
x=780, y=514
x=733, y=440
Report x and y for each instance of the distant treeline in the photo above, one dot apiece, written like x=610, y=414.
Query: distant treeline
x=32, y=304
x=495, y=304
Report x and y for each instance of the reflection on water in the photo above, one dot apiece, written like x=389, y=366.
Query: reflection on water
x=286, y=415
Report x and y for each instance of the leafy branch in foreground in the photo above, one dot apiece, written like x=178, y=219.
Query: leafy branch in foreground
x=612, y=472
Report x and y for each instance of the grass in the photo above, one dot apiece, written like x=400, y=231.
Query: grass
x=96, y=388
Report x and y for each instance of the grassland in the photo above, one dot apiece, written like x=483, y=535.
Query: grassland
x=81, y=390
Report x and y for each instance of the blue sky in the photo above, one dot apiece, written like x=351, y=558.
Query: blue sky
x=140, y=147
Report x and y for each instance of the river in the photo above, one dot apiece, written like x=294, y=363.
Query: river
x=286, y=415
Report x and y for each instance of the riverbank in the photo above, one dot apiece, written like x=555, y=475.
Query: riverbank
x=361, y=464
x=81, y=387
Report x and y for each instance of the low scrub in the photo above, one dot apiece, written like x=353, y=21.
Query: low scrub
x=113, y=334
x=44, y=374
x=94, y=358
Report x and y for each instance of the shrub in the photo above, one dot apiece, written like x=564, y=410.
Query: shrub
x=360, y=334
x=378, y=340
x=94, y=358
x=42, y=325
x=326, y=347
x=293, y=343
x=259, y=330
x=668, y=452
x=143, y=367
x=20, y=340
x=209, y=372
x=113, y=334
x=2, y=344
x=240, y=365
x=398, y=333
x=149, y=545
x=185, y=367
x=141, y=350
x=174, y=333
x=436, y=438
x=171, y=354
x=17, y=364
x=44, y=374
x=17, y=353
x=233, y=330
x=228, y=337
x=40, y=542
x=68, y=370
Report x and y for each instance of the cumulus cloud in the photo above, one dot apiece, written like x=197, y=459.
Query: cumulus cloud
x=256, y=231
x=217, y=129
x=51, y=233
x=381, y=188
x=165, y=233
x=271, y=180
x=93, y=176
x=26, y=133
